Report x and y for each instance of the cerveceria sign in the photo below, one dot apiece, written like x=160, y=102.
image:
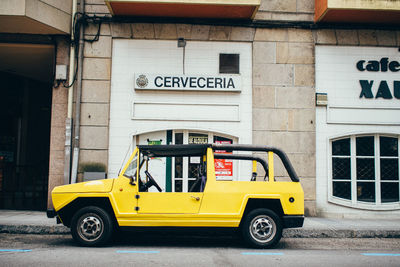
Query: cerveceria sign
x=383, y=88
x=146, y=81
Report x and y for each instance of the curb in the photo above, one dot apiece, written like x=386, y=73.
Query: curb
x=34, y=229
x=328, y=233
x=287, y=233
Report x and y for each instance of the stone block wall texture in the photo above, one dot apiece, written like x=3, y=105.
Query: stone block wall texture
x=284, y=99
x=58, y=116
x=283, y=77
x=283, y=10
x=286, y=10
x=96, y=86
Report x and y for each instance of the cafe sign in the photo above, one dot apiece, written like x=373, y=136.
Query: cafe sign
x=361, y=84
x=175, y=82
x=383, y=88
x=358, y=77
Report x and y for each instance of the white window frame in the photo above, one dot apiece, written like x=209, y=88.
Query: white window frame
x=353, y=203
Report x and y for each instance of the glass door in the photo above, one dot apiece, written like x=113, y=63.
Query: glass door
x=187, y=169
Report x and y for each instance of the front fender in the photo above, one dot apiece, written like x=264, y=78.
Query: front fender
x=96, y=186
x=63, y=195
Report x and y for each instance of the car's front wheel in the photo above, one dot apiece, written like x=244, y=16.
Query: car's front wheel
x=91, y=226
x=262, y=228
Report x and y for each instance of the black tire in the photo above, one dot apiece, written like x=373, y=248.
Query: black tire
x=261, y=228
x=91, y=226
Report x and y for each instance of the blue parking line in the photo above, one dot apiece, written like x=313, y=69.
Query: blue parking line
x=138, y=251
x=264, y=253
x=382, y=254
x=15, y=250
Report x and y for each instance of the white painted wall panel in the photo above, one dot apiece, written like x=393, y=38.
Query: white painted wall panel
x=227, y=113
x=337, y=75
x=178, y=112
x=358, y=116
x=347, y=114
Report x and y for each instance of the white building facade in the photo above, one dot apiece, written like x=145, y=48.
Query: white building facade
x=357, y=146
x=165, y=94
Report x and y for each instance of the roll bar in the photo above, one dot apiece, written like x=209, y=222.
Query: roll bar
x=243, y=157
x=282, y=155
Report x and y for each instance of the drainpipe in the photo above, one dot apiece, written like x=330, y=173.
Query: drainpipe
x=75, y=158
x=68, y=121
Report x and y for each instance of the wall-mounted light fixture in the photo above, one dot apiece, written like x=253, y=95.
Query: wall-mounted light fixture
x=181, y=42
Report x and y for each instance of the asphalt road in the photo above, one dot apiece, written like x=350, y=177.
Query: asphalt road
x=157, y=249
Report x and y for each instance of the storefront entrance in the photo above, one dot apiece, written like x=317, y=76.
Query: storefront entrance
x=162, y=93
x=25, y=110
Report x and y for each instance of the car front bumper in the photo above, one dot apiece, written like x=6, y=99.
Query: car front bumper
x=51, y=213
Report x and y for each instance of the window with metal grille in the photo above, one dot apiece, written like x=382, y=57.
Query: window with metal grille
x=365, y=169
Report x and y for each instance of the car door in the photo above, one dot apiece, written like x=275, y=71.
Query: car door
x=169, y=202
x=152, y=201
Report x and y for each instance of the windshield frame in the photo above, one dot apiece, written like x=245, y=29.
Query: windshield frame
x=134, y=162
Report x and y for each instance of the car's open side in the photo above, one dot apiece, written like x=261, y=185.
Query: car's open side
x=258, y=204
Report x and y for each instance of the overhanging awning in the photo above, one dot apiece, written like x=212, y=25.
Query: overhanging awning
x=208, y=9
x=357, y=11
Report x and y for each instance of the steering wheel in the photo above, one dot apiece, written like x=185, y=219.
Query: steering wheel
x=152, y=182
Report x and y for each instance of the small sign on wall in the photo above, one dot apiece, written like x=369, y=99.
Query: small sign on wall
x=383, y=90
x=175, y=82
x=223, y=167
x=153, y=142
x=198, y=139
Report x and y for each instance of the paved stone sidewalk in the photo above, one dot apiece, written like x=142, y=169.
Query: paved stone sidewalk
x=36, y=222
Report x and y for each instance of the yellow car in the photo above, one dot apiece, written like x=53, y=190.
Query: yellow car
x=258, y=205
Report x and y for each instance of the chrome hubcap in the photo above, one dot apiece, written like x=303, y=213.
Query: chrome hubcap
x=90, y=227
x=262, y=228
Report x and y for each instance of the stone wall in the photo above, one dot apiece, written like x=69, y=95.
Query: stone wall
x=95, y=97
x=277, y=10
x=355, y=37
x=58, y=116
x=286, y=10
x=283, y=100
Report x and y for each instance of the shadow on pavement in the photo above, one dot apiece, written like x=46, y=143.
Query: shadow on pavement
x=178, y=238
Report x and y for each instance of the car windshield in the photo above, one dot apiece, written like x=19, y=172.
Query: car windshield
x=130, y=172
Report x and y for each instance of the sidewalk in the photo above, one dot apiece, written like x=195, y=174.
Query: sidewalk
x=35, y=222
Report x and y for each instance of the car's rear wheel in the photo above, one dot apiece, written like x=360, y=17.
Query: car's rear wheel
x=91, y=226
x=262, y=228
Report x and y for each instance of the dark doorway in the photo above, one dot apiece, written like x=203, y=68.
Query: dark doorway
x=25, y=106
